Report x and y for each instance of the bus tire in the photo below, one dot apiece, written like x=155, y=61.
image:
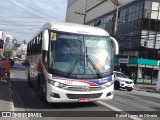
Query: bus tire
x=116, y=85
x=29, y=81
x=41, y=85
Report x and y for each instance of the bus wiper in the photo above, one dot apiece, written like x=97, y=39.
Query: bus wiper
x=75, y=63
x=91, y=62
x=71, y=70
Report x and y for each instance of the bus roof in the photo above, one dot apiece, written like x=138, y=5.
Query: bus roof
x=73, y=28
x=76, y=28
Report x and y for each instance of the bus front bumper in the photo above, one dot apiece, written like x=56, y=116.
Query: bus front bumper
x=55, y=94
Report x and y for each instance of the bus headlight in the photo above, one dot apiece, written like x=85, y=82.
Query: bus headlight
x=56, y=84
x=108, y=84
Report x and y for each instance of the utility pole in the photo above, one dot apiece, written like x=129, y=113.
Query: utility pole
x=84, y=14
x=116, y=3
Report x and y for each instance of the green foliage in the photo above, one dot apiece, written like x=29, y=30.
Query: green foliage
x=7, y=53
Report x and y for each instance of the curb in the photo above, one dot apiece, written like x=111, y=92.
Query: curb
x=11, y=97
x=146, y=88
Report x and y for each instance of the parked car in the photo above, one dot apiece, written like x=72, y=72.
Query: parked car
x=25, y=63
x=122, y=81
x=18, y=59
x=12, y=61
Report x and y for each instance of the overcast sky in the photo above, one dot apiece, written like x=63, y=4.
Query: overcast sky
x=23, y=18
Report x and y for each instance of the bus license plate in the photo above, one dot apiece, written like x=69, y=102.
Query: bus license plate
x=84, y=100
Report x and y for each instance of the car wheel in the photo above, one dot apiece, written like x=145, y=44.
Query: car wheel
x=41, y=86
x=116, y=85
x=129, y=89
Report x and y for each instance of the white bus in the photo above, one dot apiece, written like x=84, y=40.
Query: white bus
x=72, y=63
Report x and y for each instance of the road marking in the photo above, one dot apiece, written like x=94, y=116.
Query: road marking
x=117, y=110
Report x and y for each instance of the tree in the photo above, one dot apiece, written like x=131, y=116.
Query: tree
x=7, y=53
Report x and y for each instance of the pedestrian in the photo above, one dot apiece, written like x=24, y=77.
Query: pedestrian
x=2, y=72
x=6, y=64
x=133, y=75
x=40, y=67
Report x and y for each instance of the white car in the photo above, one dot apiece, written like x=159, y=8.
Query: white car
x=122, y=81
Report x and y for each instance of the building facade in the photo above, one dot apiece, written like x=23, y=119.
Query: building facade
x=1, y=42
x=22, y=50
x=92, y=8
x=138, y=31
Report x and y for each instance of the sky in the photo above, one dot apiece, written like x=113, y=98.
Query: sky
x=23, y=18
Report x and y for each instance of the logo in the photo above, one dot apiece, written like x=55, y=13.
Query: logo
x=85, y=88
x=104, y=80
x=6, y=114
x=81, y=70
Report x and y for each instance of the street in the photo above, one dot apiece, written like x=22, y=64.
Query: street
x=77, y=52
x=25, y=98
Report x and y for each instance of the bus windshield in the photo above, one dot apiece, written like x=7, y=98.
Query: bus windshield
x=80, y=54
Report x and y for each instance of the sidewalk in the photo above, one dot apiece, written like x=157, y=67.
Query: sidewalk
x=5, y=96
x=6, y=103
x=147, y=88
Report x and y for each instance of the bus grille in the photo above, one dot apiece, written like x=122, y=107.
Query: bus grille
x=77, y=96
x=82, y=88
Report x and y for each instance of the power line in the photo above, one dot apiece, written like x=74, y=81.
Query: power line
x=18, y=21
x=19, y=24
x=17, y=17
x=38, y=10
x=26, y=10
x=18, y=28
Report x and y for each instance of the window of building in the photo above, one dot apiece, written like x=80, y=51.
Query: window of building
x=155, y=10
x=148, y=5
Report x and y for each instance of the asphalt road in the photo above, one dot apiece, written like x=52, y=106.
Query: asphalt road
x=124, y=103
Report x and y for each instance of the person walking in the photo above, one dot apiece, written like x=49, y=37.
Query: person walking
x=6, y=64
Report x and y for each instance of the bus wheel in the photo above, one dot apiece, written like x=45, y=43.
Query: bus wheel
x=41, y=87
x=116, y=85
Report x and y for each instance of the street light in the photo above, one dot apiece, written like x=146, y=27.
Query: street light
x=87, y=10
x=84, y=14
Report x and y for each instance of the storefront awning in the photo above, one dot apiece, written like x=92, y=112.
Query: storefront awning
x=140, y=61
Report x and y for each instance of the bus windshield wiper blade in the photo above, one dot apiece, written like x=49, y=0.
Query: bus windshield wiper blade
x=75, y=63
x=91, y=62
x=71, y=70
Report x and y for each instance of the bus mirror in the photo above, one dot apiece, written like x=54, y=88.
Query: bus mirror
x=45, y=40
x=115, y=44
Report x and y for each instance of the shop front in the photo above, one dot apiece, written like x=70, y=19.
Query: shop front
x=144, y=71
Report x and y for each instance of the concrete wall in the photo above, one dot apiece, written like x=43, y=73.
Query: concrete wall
x=80, y=6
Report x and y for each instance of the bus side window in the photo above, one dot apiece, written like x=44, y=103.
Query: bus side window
x=40, y=42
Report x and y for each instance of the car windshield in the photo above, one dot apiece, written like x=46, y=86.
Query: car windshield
x=120, y=75
x=80, y=54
